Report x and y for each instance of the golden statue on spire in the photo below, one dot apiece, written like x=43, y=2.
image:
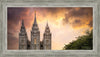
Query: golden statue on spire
x=35, y=11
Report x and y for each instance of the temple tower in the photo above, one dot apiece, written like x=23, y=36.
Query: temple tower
x=35, y=36
x=23, y=37
x=47, y=38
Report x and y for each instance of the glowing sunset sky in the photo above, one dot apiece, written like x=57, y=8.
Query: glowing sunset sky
x=65, y=23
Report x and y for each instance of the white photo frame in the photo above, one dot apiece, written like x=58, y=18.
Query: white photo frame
x=49, y=53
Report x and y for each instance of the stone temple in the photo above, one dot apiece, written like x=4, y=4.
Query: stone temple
x=35, y=43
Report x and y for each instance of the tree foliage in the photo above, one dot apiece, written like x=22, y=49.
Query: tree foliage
x=82, y=43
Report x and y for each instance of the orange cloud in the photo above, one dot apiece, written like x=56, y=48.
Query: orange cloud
x=79, y=17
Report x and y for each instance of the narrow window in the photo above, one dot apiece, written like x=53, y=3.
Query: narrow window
x=34, y=40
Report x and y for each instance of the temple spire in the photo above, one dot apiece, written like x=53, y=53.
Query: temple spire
x=35, y=22
x=22, y=22
x=35, y=25
x=47, y=28
x=23, y=36
x=47, y=23
x=22, y=27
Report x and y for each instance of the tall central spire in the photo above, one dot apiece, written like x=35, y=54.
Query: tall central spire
x=35, y=22
x=35, y=35
x=35, y=25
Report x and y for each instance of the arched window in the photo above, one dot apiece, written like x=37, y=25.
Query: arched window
x=34, y=40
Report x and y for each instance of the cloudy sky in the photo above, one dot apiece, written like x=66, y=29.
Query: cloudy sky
x=65, y=23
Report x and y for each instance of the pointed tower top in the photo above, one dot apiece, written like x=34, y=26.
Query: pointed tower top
x=47, y=23
x=22, y=22
x=47, y=28
x=35, y=22
x=35, y=25
x=22, y=27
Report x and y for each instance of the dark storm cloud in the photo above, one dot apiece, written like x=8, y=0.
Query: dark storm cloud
x=81, y=12
x=14, y=16
x=91, y=23
x=77, y=21
x=79, y=17
x=16, y=12
x=12, y=41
